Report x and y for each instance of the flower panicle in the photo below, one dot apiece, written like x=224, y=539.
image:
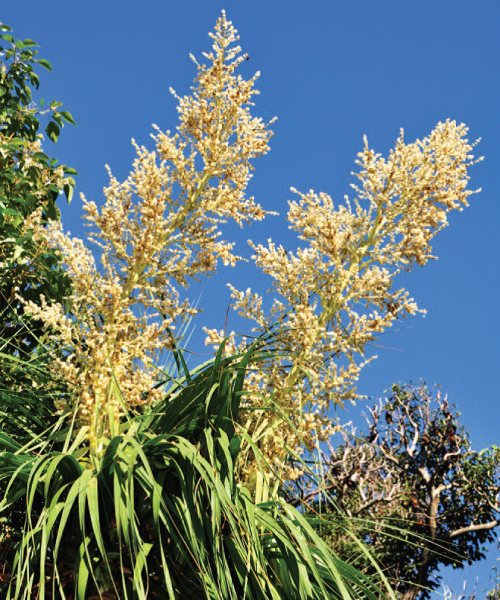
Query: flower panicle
x=335, y=295
x=156, y=231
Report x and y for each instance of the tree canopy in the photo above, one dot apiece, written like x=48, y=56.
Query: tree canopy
x=30, y=184
x=413, y=488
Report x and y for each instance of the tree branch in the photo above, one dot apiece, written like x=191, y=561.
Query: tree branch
x=479, y=527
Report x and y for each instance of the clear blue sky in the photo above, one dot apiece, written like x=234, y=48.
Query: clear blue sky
x=331, y=72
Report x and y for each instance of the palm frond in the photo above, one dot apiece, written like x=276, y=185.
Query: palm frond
x=160, y=513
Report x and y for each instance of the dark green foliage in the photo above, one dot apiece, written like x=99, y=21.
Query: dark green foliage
x=27, y=182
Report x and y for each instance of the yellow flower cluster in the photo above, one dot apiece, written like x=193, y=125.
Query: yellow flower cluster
x=333, y=296
x=156, y=231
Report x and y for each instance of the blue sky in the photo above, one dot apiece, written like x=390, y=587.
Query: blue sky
x=331, y=72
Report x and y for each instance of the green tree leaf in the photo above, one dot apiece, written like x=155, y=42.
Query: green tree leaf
x=45, y=64
x=53, y=131
x=69, y=190
x=67, y=117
